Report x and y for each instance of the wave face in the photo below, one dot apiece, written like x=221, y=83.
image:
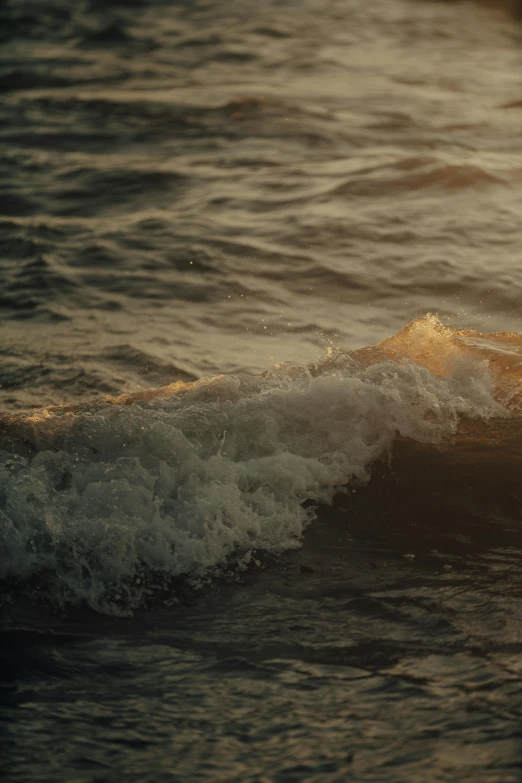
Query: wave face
x=103, y=503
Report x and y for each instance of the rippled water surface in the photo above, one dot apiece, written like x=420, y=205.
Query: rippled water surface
x=199, y=187
x=190, y=592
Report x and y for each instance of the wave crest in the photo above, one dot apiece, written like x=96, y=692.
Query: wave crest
x=182, y=480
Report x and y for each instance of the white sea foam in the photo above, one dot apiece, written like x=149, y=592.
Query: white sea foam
x=179, y=486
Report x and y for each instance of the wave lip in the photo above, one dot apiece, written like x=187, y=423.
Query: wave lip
x=98, y=498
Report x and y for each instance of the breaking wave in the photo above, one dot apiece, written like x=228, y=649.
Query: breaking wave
x=102, y=502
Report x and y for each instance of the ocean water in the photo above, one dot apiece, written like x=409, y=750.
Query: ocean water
x=260, y=391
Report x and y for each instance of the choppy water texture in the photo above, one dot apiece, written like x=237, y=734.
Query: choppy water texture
x=236, y=543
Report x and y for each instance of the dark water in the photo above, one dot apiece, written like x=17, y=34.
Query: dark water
x=307, y=567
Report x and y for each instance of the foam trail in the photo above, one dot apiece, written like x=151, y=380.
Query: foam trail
x=103, y=495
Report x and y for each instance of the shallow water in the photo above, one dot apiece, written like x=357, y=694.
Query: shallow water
x=307, y=567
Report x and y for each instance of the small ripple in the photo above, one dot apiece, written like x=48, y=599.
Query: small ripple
x=446, y=177
x=131, y=359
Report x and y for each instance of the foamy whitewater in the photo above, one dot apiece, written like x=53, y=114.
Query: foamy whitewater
x=182, y=484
